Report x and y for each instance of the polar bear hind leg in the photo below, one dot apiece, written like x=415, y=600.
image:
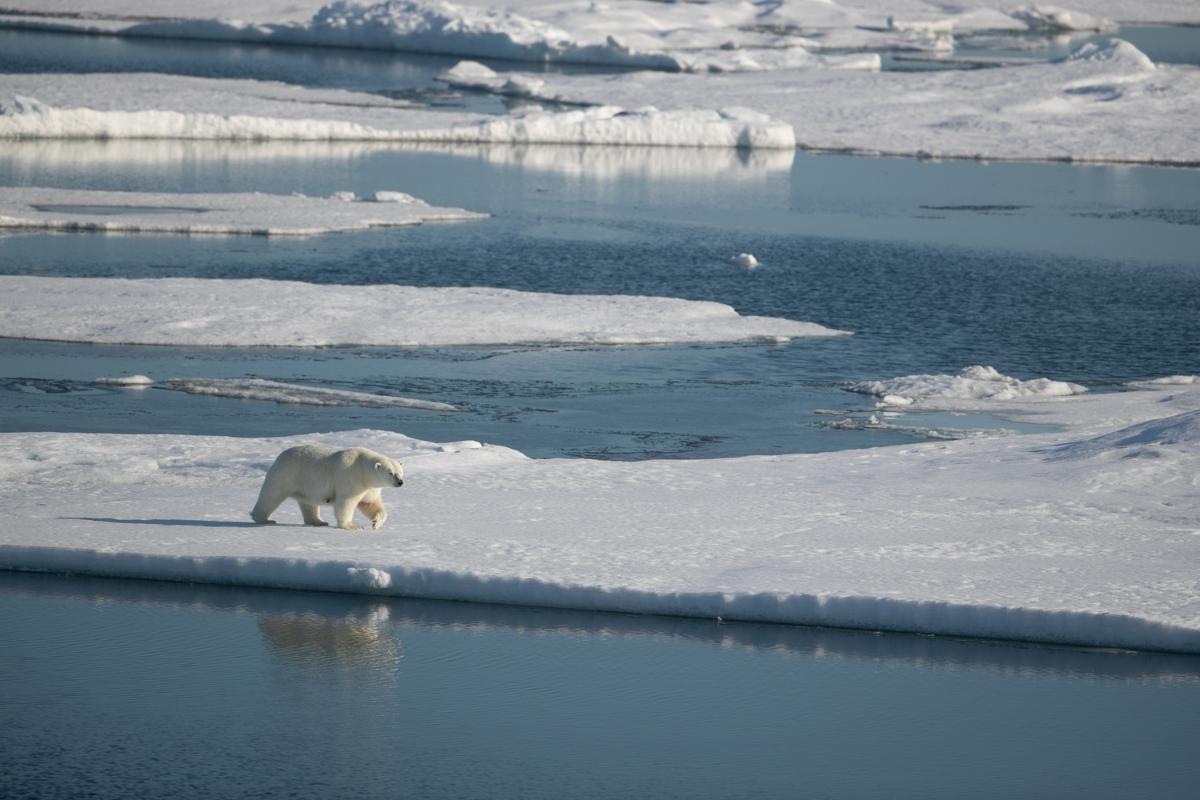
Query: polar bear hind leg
x=269, y=499
x=372, y=508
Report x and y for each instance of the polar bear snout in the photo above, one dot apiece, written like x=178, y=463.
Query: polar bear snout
x=399, y=481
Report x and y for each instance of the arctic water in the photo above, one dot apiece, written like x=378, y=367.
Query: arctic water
x=1080, y=273
x=128, y=689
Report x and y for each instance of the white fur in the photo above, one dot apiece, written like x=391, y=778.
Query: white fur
x=315, y=476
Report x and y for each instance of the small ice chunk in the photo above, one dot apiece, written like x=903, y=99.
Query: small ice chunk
x=745, y=260
x=1168, y=380
x=522, y=86
x=369, y=577
x=896, y=400
x=399, y=197
x=348, y=197
x=127, y=381
x=470, y=71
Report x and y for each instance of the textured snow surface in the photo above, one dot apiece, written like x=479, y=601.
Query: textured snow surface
x=1105, y=102
x=1088, y=536
x=192, y=311
x=984, y=384
x=721, y=35
x=150, y=106
x=247, y=213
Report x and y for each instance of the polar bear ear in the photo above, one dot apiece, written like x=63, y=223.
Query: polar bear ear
x=378, y=465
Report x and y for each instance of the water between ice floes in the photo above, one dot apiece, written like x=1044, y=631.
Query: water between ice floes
x=1079, y=273
x=130, y=689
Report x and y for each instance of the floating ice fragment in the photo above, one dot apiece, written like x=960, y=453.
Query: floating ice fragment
x=127, y=381
x=1169, y=380
x=1046, y=18
x=470, y=71
x=399, y=197
x=972, y=385
x=745, y=260
x=295, y=394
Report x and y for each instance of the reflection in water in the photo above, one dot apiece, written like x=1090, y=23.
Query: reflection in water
x=360, y=638
x=643, y=163
x=26, y=160
x=354, y=632
x=115, y=689
x=73, y=155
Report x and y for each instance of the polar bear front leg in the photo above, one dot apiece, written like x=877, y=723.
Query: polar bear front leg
x=311, y=513
x=372, y=508
x=343, y=510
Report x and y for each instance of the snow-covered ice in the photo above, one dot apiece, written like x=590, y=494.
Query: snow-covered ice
x=1166, y=381
x=1086, y=536
x=723, y=35
x=192, y=311
x=296, y=394
x=149, y=106
x=127, y=381
x=243, y=213
x=1105, y=102
x=973, y=387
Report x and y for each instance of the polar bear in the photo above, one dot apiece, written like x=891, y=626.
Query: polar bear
x=316, y=476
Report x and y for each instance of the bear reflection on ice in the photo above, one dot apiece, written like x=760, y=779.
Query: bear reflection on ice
x=315, y=476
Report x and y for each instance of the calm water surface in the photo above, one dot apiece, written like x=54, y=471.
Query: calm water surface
x=116, y=689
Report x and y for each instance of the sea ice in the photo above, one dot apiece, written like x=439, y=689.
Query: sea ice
x=98, y=106
x=191, y=311
x=1084, y=536
x=127, y=381
x=1105, y=102
x=247, y=213
x=974, y=387
x=296, y=394
x=722, y=35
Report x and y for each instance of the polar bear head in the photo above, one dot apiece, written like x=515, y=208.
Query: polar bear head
x=380, y=470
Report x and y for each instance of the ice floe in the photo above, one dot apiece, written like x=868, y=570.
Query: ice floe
x=243, y=213
x=190, y=311
x=968, y=389
x=296, y=394
x=723, y=35
x=99, y=106
x=1057, y=537
x=1105, y=102
x=127, y=381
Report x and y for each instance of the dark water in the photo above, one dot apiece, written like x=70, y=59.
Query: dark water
x=116, y=689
